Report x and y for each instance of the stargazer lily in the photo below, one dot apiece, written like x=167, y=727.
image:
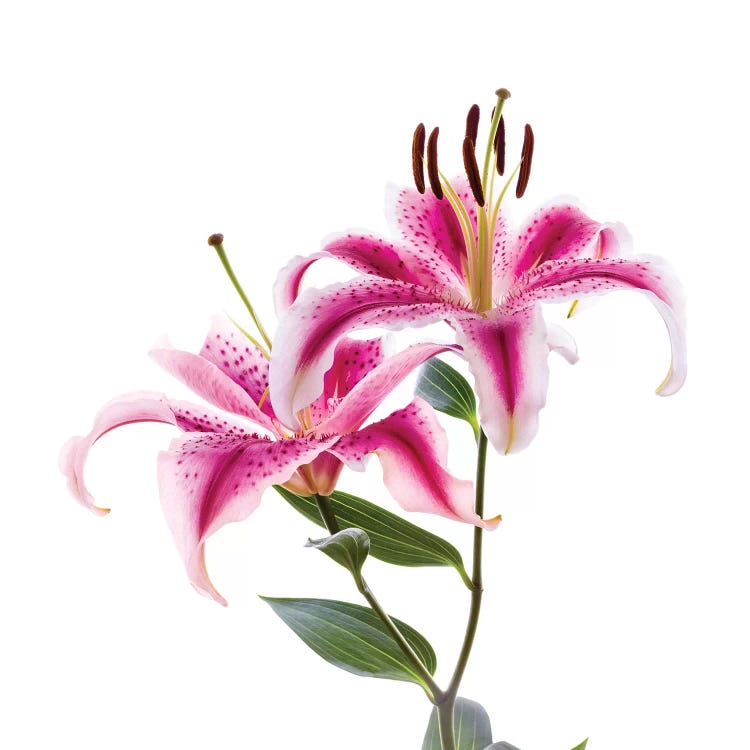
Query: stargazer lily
x=216, y=473
x=458, y=260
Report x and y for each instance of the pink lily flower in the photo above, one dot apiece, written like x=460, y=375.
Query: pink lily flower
x=457, y=259
x=217, y=472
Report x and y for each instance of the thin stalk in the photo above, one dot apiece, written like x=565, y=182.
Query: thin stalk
x=235, y=281
x=431, y=687
x=472, y=267
x=476, y=576
x=448, y=700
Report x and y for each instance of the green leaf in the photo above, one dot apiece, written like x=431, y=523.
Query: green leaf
x=392, y=539
x=446, y=390
x=471, y=727
x=501, y=746
x=354, y=638
x=582, y=746
x=348, y=548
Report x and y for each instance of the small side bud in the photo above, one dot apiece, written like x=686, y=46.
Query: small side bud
x=526, y=153
x=503, y=94
x=216, y=239
x=417, y=157
x=432, y=164
x=472, y=124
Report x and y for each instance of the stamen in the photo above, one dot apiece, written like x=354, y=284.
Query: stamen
x=264, y=397
x=526, y=153
x=417, y=157
x=432, y=166
x=472, y=170
x=252, y=338
x=472, y=124
x=500, y=146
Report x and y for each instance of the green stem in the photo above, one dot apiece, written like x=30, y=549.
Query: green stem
x=448, y=701
x=431, y=688
x=235, y=281
x=445, y=723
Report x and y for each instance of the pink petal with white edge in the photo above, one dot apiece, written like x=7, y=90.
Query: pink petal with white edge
x=365, y=253
x=570, y=279
x=432, y=229
x=238, y=358
x=288, y=282
x=507, y=355
x=352, y=361
x=412, y=448
x=209, y=382
x=554, y=232
x=307, y=337
x=207, y=481
x=352, y=411
x=129, y=409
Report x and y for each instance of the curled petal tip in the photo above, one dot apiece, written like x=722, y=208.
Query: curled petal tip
x=671, y=383
x=100, y=511
x=490, y=524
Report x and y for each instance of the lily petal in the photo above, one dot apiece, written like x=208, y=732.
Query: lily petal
x=352, y=361
x=507, y=355
x=211, y=383
x=307, y=336
x=430, y=226
x=412, y=448
x=561, y=342
x=365, y=253
x=288, y=282
x=207, y=481
x=134, y=407
x=238, y=358
x=352, y=411
x=554, y=232
x=570, y=279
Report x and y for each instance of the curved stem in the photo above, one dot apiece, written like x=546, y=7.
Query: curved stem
x=431, y=688
x=447, y=704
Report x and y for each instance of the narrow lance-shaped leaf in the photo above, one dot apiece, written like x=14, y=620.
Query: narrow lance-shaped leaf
x=353, y=638
x=501, y=746
x=471, y=727
x=348, y=548
x=446, y=390
x=392, y=539
x=582, y=746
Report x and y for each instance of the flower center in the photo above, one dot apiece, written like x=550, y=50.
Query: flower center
x=478, y=237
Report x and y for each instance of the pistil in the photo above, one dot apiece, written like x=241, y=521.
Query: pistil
x=485, y=227
x=216, y=241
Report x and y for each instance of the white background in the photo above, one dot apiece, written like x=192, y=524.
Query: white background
x=617, y=586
